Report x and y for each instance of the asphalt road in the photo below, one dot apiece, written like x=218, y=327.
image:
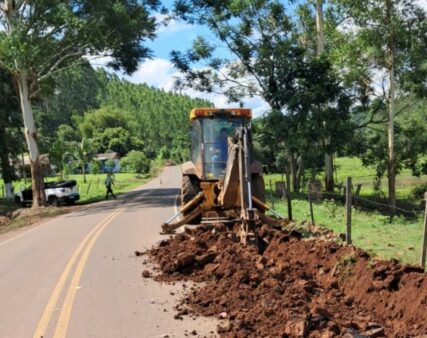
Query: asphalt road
x=77, y=275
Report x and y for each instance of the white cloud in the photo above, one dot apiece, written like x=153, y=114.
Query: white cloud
x=155, y=72
x=167, y=26
x=98, y=60
x=423, y=4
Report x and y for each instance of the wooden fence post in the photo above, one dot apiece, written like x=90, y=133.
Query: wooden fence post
x=311, y=203
x=271, y=195
x=348, y=210
x=424, y=248
x=288, y=198
x=88, y=188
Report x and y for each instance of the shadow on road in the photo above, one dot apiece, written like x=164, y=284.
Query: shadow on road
x=144, y=198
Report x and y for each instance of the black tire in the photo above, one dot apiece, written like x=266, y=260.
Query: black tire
x=17, y=200
x=258, y=187
x=53, y=201
x=189, y=189
x=70, y=202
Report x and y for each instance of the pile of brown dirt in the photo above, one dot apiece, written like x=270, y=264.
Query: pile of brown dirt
x=296, y=288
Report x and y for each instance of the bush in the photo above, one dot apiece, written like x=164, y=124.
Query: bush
x=136, y=161
x=419, y=191
x=95, y=167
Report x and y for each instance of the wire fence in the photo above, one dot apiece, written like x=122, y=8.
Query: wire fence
x=384, y=220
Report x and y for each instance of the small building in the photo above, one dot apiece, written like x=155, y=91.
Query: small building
x=110, y=162
x=44, y=161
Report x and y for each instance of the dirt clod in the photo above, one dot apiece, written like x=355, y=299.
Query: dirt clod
x=146, y=274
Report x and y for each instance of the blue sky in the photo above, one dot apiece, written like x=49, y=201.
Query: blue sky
x=159, y=71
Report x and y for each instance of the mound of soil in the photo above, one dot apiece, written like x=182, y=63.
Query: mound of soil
x=297, y=287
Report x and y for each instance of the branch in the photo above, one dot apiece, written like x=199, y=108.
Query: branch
x=372, y=121
x=46, y=65
x=248, y=67
x=54, y=67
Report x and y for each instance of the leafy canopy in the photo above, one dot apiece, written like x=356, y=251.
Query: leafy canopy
x=41, y=37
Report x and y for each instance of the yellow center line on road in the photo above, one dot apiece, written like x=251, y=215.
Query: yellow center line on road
x=53, y=300
x=64, y=316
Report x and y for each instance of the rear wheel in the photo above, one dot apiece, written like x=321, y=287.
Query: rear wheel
x=53, y=201
x=189, y=189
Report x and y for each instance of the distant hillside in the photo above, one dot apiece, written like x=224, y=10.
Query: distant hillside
x=162, y=117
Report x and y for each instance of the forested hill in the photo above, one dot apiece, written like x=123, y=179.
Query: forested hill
x=162, y=117
x=113, y=115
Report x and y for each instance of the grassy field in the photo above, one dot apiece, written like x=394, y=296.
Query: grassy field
x=352, y=167
x=372, y=231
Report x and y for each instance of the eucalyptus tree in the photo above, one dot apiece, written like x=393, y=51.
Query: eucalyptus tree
x=43, y=37
x=389, y=38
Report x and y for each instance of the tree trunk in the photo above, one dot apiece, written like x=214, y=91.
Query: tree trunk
x=288, y=176
x=6, y=169
x=293, y=167
x=319, y=26
x=329, y=173
x=84, y=173
x=391, y=167
x=39, y=197
x=300, y=172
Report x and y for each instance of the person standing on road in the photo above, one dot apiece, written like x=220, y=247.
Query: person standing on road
x=108, y=184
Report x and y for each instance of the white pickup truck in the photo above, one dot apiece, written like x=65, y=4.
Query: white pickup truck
x=65, y=192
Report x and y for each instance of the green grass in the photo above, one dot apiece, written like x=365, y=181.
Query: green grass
x=352, y=167
x=94, y=189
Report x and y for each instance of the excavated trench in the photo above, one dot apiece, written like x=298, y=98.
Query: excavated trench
x=297, y=287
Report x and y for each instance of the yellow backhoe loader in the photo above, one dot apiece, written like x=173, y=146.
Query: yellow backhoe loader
x=221, y=182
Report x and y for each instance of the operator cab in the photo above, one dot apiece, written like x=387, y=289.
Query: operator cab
x=210, y=129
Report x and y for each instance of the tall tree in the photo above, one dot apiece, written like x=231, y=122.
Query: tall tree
x=41, y=38
x=329, y=165
x=392, y=34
